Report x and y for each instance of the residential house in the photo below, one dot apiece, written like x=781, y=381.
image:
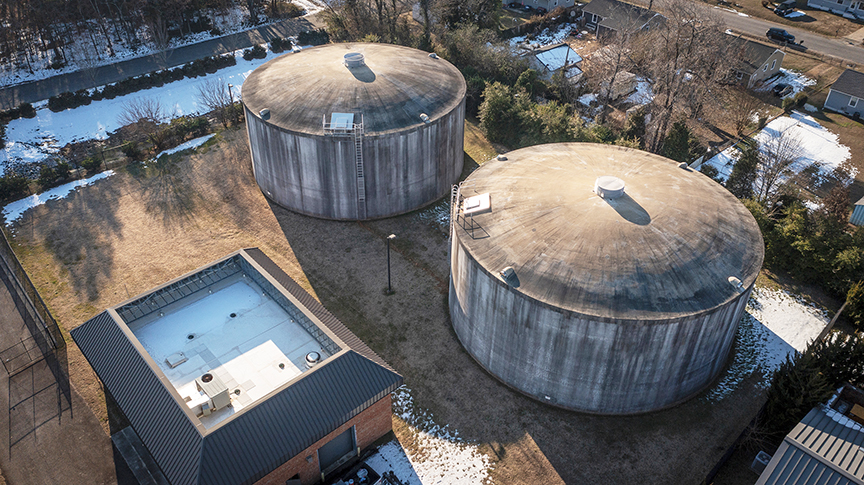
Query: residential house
x=607, y=17
x=846, y=94
x=851, y=9
x=825, y=447
x=756, y=61
x=551, y=59
x=547, y=4
x=857, y=216
x=233, y=374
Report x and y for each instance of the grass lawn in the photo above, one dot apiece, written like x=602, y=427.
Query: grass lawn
x=142, y=227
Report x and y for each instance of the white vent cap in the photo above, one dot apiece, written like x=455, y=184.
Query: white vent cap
x=609, y=187
x=354, y=59
x=737, y=284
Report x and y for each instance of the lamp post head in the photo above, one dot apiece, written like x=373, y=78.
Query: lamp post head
x=392, y=236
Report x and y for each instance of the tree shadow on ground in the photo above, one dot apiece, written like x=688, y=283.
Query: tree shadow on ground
x=82, y=241
x=166, y=192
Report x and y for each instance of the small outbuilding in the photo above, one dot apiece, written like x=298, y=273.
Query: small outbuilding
x=826, y=447
x=857, y=216
x=233, y=374
x=846, y=93
x=551, y=59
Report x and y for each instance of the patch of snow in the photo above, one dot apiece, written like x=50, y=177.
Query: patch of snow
x=797, y=80
x=587, y=99
x=643, y=93
x=31, y=140
x=551, y=35
x=13, y=210
x=732, y=10
x=558, y=57
x=441, y=457
x=776, y=324
x=812, y=206
x=820, y=148
x=197, y=142
x=82, y=55
x=810, y=108
x=794, y=14
x=841, y=419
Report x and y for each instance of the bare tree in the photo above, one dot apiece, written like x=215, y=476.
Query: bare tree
x=685, y=59
x=216, y=97
x=777, y=154
x=742, y=106
x=147, y=115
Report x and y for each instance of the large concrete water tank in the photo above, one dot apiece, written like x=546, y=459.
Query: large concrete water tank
x=619, y=304
x=355, y=131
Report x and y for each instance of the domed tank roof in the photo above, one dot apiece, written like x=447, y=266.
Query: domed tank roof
x=391, y=85
x=664, y=249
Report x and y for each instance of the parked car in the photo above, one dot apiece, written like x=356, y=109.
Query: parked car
x=541, y=10
x=780, y=35
x=783, y=10
x=527, y=8
x=782, y=89
x=515, y=5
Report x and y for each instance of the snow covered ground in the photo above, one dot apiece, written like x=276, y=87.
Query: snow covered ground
x=776, y=324
x=13, y=210
x=819, y=146
x=797, y=80
x=549, y=36
x=31, y=140
x=442, y=457
x=197, y=142
x=643, y=94
x=83, y=56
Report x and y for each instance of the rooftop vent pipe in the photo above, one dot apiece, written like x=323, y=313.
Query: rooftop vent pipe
x=609, y=187
x=354, y=59
x=735, y=282
x=312, y=358
x=424, y=117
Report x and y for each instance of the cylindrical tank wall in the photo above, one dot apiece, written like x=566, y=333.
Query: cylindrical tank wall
x=581, y=362
x=317, y=174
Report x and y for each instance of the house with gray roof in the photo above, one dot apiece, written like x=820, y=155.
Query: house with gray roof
x=607, y=17
x=851, y=9
x=846, y=94
x=824, y=448
x=233, y=374
x=754, y=61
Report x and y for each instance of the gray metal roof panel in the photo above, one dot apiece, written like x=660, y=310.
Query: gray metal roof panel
x=152, y=410
x=851, y=83
x=819, y=450
x=290, y=421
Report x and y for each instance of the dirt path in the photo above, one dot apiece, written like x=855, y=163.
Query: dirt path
x=140, y=228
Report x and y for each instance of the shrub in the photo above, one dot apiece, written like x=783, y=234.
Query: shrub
x=62, y=171
x=279, y=44
x=788, y=104
x=12, y=185
x=800, y=99
x=855, y=305
x=313, y=37
x=256, y=52
x=47, y=177
x=91, y=164
x=131, y=150
x=26, y=110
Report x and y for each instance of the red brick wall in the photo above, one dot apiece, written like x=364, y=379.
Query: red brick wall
x=371, y=424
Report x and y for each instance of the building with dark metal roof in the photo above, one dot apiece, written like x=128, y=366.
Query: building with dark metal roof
x=599, y=278
x=825, y=448
x=846, y=93
x=233, y=373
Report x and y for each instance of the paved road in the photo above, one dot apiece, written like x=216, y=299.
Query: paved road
x=43, y=89
x=840, y=48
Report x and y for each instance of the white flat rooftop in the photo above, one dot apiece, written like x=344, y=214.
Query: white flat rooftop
x=234, y=332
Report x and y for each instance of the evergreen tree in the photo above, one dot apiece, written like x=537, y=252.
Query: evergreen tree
x=740, y=181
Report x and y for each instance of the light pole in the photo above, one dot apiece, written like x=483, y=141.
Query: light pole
x=389, y=238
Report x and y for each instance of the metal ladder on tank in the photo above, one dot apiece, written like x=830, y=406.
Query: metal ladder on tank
x=358, y=162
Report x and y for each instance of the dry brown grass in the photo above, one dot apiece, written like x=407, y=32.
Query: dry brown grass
x=142, y=227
